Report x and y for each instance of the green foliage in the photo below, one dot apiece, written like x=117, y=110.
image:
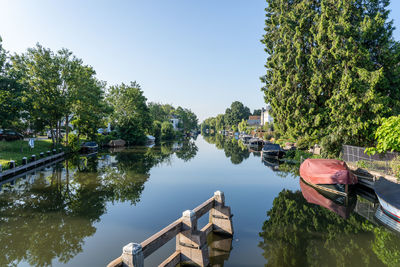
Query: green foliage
x=243, y=126
x=236, y=113
x=331, y=69
x=11, y=93
x=303, y=143
x=268, y=135
x=387, y=136
x=156, y=130
x=167, y=131
x=297, y=233
x=257, y=112
x=297, y=155
x=16, y=150
x=131, y=115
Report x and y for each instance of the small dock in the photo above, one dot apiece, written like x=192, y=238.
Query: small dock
x=31, y=165
x=191, y=243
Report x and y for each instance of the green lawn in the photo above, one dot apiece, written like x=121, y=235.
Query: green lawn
x=16, y=150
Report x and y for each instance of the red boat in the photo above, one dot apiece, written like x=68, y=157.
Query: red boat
x=328, y=174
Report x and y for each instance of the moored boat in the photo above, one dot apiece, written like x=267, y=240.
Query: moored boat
x=245, y=138
x=387, y=220
x=89, y=147
x=328, y=174
x=388, y=194
x=272, y=151
x=256, y=143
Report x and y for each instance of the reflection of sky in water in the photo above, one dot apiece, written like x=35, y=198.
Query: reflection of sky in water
x=174, y=185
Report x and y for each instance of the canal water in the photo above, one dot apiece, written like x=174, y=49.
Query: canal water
x=82, y=211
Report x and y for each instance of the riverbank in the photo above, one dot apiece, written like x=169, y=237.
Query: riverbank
x=16, y=150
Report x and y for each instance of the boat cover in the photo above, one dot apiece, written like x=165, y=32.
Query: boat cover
x=314, y=197
x=326, y=171
x=388, y=191
x=272, y=147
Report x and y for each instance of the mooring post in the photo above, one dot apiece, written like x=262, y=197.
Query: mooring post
x=132, y=255
x=24, y=160
x=11, y=164
x=191, y=242
x=220, y=215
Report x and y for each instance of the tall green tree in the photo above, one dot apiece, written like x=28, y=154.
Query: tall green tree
x=11, y=92
x=39, y=71
x=236, y=112
x=131, y=115
x=332, y=69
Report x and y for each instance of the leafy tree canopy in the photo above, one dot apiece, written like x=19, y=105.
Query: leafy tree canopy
x=332, y=69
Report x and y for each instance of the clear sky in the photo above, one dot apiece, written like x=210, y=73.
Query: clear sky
x=202, y=55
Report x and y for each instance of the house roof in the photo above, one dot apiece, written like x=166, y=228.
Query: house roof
x=254, y=117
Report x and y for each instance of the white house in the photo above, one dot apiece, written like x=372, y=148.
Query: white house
x=266, y=116
x=175, y=121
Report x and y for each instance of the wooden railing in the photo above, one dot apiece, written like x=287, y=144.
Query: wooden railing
x=191, y=243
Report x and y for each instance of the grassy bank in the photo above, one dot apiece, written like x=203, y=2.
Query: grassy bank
x=16, y=150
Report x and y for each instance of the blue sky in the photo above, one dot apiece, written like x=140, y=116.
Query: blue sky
x=197, y=54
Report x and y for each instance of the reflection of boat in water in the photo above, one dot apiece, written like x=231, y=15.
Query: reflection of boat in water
x=273, y=151
x=339, y=204
x=328, y=174
x=388, y=194
x=245, y=138
x=387, y=220
x=272, y=163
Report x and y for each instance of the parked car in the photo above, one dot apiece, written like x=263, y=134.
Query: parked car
x=62, y=133
x=10, y=135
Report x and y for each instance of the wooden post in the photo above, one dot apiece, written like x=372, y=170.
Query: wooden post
x=220, y=215
x=11, y=164
x=191, y=242
x=132, y=255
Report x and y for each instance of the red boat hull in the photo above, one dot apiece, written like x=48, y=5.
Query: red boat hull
x=326, y=171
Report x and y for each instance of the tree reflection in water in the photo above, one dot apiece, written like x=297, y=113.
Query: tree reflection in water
x=234, y=149
x=48, y=217
x=297, y=233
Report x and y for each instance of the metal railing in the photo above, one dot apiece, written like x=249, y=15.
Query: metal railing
x=379, y=162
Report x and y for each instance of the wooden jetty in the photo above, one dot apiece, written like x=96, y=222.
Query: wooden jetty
x=191, y=243
x=31, y=165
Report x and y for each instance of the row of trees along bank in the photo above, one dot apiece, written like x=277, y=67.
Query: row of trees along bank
x=333, y=70
x=41, y=89
x=229, y=120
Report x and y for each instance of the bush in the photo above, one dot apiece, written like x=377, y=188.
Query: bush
x=387, y=136
x=303, y=143
x=156, y=130
x=167, y=131
x=73, y=143
x=268, y=135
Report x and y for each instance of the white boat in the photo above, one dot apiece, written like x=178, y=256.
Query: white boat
x=151, y=139
x=388, y=194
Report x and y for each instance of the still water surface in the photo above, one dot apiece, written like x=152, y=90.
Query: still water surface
x=82, y=211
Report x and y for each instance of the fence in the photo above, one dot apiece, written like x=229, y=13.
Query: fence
x=382, y=163
x=191, y=243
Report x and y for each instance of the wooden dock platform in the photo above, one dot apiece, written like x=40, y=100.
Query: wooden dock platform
x=191, y=243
